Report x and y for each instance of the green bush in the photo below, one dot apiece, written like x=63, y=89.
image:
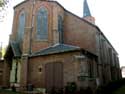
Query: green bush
x=110, y=87
x=2, y=91
x=71, y=87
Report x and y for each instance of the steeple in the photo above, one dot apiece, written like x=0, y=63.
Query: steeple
x=87, y=14
x=86, y=11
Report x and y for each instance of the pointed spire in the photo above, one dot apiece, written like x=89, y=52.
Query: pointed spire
x=87, y=14
x=86, y=11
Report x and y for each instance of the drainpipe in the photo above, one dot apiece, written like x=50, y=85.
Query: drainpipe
x=32, y=24
x=98, y=80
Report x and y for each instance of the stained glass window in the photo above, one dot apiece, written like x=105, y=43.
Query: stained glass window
x=42, y=24
x=60, y=29
x=21, y=27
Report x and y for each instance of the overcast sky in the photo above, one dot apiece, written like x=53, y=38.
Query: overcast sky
x=109, y=15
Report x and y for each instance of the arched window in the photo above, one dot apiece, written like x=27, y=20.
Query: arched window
x=60, y=28
x=21, y=27
x=42, y=24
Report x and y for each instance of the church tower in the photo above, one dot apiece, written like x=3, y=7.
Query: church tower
x=87, y=14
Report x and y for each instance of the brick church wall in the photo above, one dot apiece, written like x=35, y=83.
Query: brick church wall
x=69, y=68
x=79, y=33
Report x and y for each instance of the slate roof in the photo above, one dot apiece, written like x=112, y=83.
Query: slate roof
x=58, y=48
x=15, y=49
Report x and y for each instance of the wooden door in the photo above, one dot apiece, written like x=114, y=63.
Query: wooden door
x=49, y=76
x=54, y=75
x=58, y=75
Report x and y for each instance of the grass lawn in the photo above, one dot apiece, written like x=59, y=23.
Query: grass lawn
x=120, y=90
x=7, y=92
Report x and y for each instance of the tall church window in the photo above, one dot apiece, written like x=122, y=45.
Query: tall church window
x=42, y=24
x=21, y=27
x=60, y=29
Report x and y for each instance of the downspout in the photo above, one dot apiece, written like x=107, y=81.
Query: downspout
x=32, y=23
x=98, y=81
x=101, y=60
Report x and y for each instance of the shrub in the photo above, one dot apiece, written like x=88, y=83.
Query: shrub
x=71, y=88
x=110, y=87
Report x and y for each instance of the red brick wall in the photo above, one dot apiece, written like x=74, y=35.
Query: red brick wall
x=69, y=68
x=79, y=33
x=6, y=73
x=76, y=31
x=31, y=12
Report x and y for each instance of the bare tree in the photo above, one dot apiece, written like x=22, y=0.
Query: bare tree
x=3, y=8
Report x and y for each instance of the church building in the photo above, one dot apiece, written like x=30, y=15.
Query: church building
x=50, y=47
